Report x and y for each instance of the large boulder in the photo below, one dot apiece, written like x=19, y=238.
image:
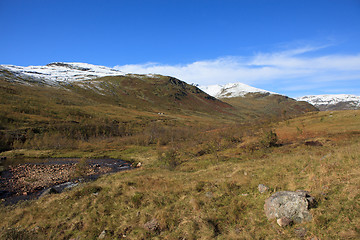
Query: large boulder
x=291, y=205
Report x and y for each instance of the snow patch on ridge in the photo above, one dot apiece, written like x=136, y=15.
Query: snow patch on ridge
x=331, y=99
x=231, y=90
x=62, y=72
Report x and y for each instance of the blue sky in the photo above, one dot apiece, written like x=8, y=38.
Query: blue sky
x=293, y=47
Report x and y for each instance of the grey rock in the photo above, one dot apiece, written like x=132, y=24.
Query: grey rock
x=209, y=195
x=263, y=188
x=284, y=221
x=102, y=234
x=49, y=191
x=292, y=205
x=152, y=225
x=59, y=188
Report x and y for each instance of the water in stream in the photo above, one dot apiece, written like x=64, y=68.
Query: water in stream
x=24, y=179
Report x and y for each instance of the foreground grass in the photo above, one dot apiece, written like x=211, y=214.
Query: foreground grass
x=212, y=195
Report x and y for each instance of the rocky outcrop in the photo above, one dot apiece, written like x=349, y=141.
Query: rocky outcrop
x=288, y=206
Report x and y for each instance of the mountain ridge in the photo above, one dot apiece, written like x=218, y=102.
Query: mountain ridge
x=327, y=102
x=62, y=72
x=230, y=90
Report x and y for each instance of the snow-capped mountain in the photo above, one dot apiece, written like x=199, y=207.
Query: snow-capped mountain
x=231, y=90
x=333, y=101
x=60, y=71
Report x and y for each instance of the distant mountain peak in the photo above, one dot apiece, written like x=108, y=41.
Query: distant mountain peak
x=333, y=101
x=231, y=90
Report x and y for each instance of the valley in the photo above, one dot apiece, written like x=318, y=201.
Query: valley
x=200, y=159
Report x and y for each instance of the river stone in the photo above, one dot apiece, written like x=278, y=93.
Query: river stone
x=49, y=191
x=292, y=205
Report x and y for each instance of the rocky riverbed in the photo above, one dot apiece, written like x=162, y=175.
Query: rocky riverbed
x=29, y=180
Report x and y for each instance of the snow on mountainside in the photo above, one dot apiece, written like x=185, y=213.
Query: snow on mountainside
x=231, y=90
x=60, y=71
x=333, y=101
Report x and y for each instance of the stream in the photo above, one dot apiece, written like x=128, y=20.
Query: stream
x=26, y=179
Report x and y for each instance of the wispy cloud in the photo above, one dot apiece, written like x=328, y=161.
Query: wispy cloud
x=292, y=70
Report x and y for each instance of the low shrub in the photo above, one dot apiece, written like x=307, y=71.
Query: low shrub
x=269, y=139
x=169, y=158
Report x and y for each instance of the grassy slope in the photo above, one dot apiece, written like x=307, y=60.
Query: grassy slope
x=268, y=105
x=79, y=111
x=213, y=194
x=33, y=115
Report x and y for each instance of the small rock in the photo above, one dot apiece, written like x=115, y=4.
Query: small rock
x=244, y=194
x=300, y=232
x=36, y=229
x=49, y=191
x=284, y=221
x=262, y=188
x=102, y=234
x=238, y=230
x=209, y=194
x=152, y=225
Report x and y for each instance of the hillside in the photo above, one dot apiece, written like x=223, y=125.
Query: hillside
x=76, y=102
x=257, y=103
x=333, y=102
x=269, y=105
x=206, y=187
x=109, y=106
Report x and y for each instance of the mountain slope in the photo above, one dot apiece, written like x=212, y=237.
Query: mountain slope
x=40, y=109
x=52, y=92
x=333, y=102
x=147, y=92
x=266, y=105
x=257, y=103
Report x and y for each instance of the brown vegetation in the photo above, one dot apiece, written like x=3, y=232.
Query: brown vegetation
x=213, y=194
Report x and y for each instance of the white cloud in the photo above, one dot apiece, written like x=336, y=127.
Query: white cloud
x=282, y=70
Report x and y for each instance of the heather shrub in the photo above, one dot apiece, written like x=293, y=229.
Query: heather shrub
x=269, y=139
